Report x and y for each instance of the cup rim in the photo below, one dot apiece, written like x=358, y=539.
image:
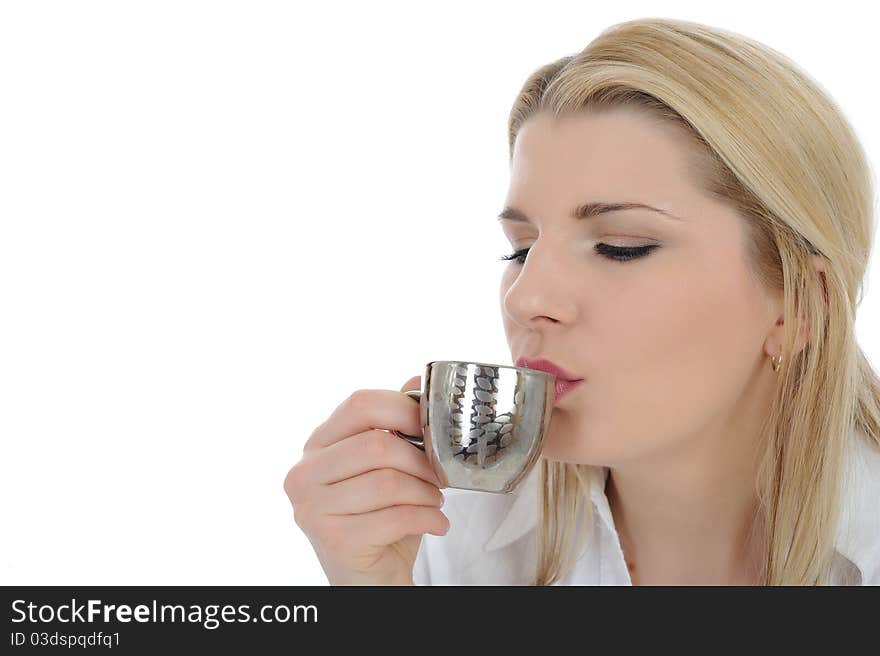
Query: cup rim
x=525, y=370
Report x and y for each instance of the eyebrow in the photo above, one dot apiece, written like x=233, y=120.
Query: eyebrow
x=587, y=210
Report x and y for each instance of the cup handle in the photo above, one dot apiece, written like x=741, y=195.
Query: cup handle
x=417, y=441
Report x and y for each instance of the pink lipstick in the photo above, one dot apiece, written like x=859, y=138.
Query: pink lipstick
x=563, y=387
x=565, y=380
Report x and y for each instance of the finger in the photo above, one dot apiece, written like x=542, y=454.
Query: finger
x=386, y=526
x=414, y=383
x=373, y=449
x=366, y=409
x=376, y=489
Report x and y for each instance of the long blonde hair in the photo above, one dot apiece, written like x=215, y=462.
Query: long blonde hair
x=772, y=144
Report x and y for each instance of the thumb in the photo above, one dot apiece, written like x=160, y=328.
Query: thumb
x=414, y=383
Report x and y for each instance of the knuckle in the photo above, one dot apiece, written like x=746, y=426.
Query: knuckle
x=294, y=481
x=359, y=399
x=291, y=480
x=301, y=515
x=377, y=447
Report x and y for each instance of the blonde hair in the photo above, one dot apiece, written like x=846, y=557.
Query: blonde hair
x=768, y=141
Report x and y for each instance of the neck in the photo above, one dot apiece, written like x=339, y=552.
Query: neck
x=691, y=515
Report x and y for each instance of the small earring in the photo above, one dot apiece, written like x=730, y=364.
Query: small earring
x=776, y=362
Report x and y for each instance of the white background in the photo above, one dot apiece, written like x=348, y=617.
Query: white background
x=218, y=219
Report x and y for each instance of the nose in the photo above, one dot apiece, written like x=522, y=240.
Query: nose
x=542, y=290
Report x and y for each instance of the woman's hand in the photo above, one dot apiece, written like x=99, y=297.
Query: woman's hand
x=363, y=496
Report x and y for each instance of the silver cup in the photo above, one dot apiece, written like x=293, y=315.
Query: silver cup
x=483, y=425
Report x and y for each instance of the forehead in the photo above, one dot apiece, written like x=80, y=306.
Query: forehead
x=616, y=154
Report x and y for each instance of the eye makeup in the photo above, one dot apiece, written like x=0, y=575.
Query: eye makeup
x=616, y=253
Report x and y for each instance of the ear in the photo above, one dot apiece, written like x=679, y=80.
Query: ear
x=776, y=338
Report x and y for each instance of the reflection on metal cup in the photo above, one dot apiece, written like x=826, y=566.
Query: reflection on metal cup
x=483, y=425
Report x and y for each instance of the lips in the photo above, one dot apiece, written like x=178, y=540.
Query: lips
x=563, y=387
x=547, y=366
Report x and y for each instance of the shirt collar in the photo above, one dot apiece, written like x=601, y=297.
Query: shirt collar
x=522, y=514
x=858, y=531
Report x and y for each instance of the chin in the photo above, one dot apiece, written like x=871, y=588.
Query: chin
x=567, y=446
x=566, y=442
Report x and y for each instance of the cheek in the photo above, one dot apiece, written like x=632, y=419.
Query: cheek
x=671, y=352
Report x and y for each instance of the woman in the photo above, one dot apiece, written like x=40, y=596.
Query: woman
x=691, y=219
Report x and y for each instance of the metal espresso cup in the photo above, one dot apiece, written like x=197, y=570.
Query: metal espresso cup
x=483, y=425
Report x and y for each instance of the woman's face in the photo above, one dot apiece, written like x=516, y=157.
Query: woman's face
x=671, y=344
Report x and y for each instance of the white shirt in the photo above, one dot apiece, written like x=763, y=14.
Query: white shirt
x=491, y=538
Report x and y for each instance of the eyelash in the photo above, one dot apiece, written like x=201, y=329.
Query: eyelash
x=616, y=253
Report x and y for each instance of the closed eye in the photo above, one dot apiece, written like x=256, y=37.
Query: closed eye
x=616, y=253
